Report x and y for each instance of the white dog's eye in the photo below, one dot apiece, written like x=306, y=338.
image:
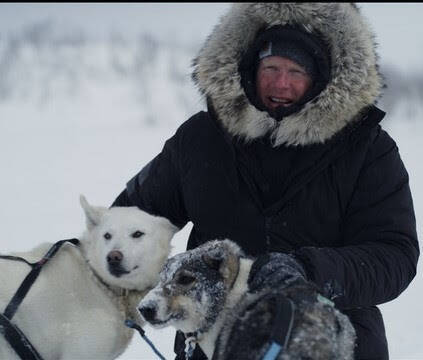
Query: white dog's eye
x=137, y=234
x=107, y=236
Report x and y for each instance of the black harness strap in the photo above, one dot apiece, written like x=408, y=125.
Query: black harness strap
x=16, y=258
x=11, y=332
x=282, y=327
x=283, y=321
x=131, y=324
x=20, y=294
x=17, y=340
x=31, y=277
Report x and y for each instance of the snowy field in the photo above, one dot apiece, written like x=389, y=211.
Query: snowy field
x=82, y=117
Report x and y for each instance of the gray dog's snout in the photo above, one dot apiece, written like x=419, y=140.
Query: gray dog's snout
x=114, y=257
x=148, y=312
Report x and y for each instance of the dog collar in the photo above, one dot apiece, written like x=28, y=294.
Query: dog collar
x=191, y=340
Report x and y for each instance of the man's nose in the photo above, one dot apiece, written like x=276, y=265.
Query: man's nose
x=282, y=80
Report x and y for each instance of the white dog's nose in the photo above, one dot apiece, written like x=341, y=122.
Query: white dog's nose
x=114, y=257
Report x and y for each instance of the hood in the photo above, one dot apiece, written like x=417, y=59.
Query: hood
x=354, y=84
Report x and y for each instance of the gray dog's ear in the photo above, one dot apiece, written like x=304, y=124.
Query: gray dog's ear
x=213, y=259
x=93, y=214
x=223, y=257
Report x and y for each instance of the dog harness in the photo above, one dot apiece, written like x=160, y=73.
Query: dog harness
x=282, y=327
x=13, y=335
x=190, y=344
x=279, y=337
x=131, y=324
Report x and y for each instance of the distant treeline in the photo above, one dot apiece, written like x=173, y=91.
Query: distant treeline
x=43, y=60
x=401, y=86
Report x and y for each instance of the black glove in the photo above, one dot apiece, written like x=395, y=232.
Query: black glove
x=275, y=270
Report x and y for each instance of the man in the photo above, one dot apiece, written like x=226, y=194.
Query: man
x=281, y=81
x=290, y=157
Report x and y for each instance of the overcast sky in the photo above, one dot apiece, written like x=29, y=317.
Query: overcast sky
x=398, y=26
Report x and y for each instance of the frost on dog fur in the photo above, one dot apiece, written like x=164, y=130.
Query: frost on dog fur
x=190, y=282
x=220, y=295
x=78, y=305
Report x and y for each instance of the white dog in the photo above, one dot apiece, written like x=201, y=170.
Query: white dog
x=77, y=307
x=229, y=304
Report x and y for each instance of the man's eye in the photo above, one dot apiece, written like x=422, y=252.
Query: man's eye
x=137, y=234
x=298, y=72
x=271, y=68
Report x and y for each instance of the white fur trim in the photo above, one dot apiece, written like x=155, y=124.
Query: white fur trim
x=355, y=81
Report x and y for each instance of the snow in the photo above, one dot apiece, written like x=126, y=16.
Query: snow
x=84, y=116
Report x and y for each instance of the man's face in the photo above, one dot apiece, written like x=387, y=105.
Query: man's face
x=281, y=82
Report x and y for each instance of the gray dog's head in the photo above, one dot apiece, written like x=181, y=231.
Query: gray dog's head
x=193, y=287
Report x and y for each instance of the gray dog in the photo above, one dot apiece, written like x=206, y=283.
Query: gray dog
x=236, y=308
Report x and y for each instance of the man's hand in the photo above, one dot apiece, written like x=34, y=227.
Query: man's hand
x=275, y=270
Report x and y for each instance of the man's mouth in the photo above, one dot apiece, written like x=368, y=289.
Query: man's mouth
x=281, y=101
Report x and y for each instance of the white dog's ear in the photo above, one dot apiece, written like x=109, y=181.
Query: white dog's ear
x=93, y=214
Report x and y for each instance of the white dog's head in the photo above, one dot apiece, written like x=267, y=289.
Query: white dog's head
x=193, y=287
x=126, y=246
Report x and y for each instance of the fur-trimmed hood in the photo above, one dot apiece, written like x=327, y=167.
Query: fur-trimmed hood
x=355, y=82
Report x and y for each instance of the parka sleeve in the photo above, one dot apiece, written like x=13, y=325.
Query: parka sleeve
x=156, y=188
x=379, y=252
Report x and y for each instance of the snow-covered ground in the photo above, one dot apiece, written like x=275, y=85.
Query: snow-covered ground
x=83, y=117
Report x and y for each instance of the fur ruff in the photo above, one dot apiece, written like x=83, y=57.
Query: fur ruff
x=355, y=81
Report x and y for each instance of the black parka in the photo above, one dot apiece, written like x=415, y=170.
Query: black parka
x=346, y=211
x=326, y=183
